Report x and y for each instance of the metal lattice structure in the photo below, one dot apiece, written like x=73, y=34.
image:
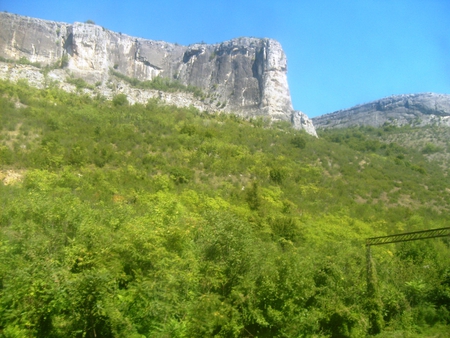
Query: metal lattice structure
x=372, y=289
x=409, y=236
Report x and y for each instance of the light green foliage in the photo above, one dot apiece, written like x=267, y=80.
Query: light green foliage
x=430, y=148
x=22, y=61
x=159, y=83
x=156, y=221
x=79, y=83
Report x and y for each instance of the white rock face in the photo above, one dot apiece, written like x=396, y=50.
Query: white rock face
x=409, y=109
x=276, y=98
x=108, y=90
x=302, y=122
x=246, y=76
x=15, y=73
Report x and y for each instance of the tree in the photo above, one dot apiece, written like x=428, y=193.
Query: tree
x=253, y=196
x=120, y=100
x=298, y=142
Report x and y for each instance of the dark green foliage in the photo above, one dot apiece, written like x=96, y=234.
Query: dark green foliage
x=277, y=175
x=180, y=175
x=122, y=220
x=120, y=100
x=286, y=229
x=188, y=129
x=253, y=196
x=6, y=155
x=299, y=142
x=64, y=61
x=374, y=306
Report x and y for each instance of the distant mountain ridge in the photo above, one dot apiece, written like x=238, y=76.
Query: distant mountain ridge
x=411, y=109
x=246, y=76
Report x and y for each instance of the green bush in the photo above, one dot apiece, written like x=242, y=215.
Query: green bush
x=79, y=83
x=159, y=83
x=181, y=175
x=152, y=220
x=120, y=100
x=299, y=142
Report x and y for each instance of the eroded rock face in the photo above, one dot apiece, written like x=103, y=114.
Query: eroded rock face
x=246, y=76
x=37, y=40
x=302, y=122
x=412, y=109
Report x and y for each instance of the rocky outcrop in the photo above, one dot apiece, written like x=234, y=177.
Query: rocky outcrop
x=59, y=77
x=302, y=122
x=413, y=109
x=246, y=76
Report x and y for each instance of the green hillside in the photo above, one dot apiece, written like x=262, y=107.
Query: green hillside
x=157, y=221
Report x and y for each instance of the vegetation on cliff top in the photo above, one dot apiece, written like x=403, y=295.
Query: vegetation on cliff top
x=157, y=221
x=159, y=83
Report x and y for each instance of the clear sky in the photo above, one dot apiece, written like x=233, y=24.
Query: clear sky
x=340, y=52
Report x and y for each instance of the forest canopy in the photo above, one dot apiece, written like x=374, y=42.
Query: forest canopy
x=123, y=220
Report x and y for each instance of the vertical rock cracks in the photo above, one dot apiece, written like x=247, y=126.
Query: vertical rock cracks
x=246, y=76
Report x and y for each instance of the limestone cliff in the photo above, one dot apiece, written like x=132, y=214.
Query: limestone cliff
x=246, y=76
x=413, y=109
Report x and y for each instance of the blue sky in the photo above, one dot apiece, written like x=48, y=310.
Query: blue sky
x=340, y=52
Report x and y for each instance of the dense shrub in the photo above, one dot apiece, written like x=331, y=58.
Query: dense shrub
x=122, y=220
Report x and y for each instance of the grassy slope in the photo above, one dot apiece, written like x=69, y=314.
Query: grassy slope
x=162, y=221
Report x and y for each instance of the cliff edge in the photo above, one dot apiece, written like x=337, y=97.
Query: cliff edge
x=246, y=76
x=409, y=109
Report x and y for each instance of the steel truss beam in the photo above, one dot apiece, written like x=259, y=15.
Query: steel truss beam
x=409, y=236
x=372, y=289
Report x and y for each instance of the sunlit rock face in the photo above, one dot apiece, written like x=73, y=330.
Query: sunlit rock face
x=412, y=109
x=302, y=122
x=246, y=76
x=37, y=40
